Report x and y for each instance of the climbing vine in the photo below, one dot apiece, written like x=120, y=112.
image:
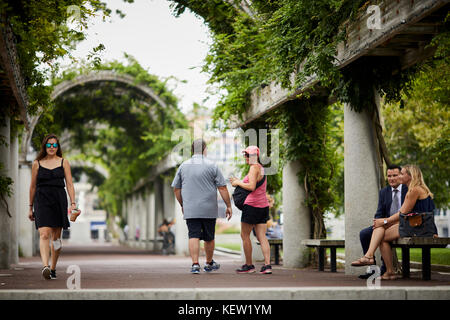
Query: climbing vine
x=287, y=42
x=308, y=139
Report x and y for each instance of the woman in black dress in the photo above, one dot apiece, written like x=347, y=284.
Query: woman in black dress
x=49, y=200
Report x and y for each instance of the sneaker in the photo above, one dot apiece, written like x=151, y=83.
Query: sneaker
x=211, y=266
x=266, y=269
x=53, y=274
x=246, y=269
x=195, y=268
x=46, y=272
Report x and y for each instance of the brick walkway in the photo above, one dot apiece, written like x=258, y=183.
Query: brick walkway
x=109, y=267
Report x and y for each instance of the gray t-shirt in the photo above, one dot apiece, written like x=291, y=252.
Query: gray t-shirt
x=198, y=179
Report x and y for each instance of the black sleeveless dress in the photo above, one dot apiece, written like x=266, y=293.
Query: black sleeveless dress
x=424, y=205
x=50, y=199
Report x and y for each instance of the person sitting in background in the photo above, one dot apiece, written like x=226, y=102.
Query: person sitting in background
x=168, y=236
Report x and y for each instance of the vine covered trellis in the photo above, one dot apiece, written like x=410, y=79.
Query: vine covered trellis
x=287, y=42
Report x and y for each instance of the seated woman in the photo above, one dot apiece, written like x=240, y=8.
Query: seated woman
x=418, y=199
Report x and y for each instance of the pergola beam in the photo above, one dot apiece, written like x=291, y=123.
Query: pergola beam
x=400, y=23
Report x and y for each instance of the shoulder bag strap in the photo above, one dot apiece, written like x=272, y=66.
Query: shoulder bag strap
x=260, y=182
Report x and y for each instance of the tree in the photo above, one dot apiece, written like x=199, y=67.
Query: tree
x=418, y=129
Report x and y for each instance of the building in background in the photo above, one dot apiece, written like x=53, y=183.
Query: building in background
x=90, y=226
x=442, y=221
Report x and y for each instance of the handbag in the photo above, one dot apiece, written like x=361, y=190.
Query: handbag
x=417, y=225
x=240, y=194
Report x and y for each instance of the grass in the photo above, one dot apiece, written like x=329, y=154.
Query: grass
x=227, y=230
x=231, y=246
x=438, y=255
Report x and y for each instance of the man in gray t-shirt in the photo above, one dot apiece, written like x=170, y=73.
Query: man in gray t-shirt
x=195, y=186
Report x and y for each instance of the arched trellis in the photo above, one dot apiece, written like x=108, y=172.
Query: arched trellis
x=153, y=207
x=95, y=76
x=82, y=163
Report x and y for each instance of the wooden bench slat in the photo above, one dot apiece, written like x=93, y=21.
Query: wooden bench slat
x=324, y=243
x=421, y=241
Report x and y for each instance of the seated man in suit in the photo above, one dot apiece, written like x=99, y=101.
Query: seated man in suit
x=389, y=202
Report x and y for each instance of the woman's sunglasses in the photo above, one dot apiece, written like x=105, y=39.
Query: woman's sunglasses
x=246, y=155
x=49, y=145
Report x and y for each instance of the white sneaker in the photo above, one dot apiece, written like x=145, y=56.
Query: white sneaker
x=46, y=272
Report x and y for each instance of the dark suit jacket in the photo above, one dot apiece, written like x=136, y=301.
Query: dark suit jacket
x=385, y=200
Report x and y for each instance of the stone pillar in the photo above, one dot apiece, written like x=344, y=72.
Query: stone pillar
x=151, y=219
x=142, y=212
x=14, y=204
x=159, y=202
x=361, y=182
x=26, y=227
x=180, y=229
x=168, y=203
x=296, y=218
x=5, y=220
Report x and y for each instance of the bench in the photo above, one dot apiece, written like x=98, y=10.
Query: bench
x=276, y=243
x=322, y=245
x=426, y=244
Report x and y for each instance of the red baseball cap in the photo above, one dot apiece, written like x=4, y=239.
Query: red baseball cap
x=251, y=150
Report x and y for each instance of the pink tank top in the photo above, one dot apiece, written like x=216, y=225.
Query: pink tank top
x=257, y=198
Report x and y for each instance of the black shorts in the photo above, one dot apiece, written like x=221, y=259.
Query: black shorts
x=203, y=229
x=254, y=215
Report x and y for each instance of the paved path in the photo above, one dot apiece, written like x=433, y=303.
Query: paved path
x=117, y=267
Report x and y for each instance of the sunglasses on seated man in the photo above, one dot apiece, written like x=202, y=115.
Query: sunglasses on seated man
x=49, y=145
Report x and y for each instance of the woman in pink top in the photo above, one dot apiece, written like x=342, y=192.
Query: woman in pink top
x=255, y=213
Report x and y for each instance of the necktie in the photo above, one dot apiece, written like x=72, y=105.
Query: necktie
x=395, y=203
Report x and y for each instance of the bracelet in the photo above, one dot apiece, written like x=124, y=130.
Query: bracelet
x=73, y=203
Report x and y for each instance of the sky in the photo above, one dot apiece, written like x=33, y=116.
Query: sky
x=163, y=44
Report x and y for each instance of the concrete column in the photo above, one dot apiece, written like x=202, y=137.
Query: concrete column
x=151, y=218
x=180, y=229
x=159, y=202
x=296, y=218
x=143, y=216
x=168, y=203
x=360, y=183
x=159, y=207
x=14, y=206
x=133, y=218
x=26, y=227
x=5, y=220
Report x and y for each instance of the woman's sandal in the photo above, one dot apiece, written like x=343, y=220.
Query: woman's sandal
x=364, y=261
x=389, y=276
